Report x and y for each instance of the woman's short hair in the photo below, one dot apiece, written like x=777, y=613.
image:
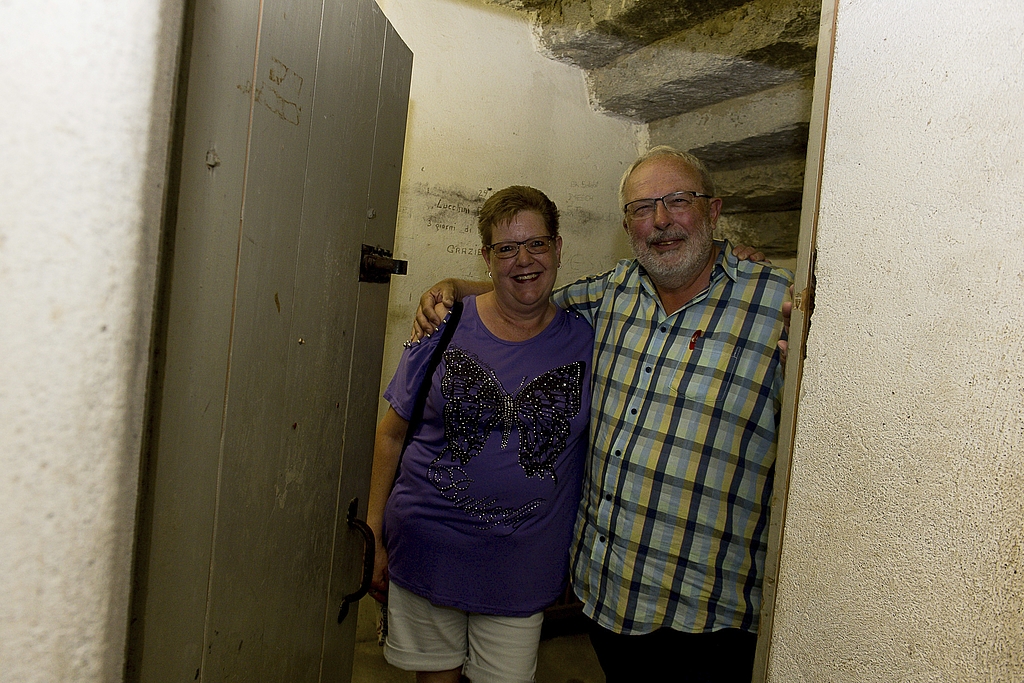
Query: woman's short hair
x=665, y=151
x=504, y=204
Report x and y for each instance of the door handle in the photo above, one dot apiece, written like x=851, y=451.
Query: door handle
x=369, y=547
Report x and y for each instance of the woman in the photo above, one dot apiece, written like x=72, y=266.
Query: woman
x=474, y=535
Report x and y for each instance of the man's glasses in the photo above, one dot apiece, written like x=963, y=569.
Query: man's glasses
x=534, y=245
x=675, y=203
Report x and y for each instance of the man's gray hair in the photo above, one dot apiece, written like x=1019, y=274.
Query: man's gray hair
x=707, y=182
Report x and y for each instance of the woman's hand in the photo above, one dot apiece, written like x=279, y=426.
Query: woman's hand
x=387, y=449
x=379, y=584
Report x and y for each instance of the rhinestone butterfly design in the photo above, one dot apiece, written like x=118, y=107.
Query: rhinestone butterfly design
x=477, y=404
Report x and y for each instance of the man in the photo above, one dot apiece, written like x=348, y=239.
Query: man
x=687, y=387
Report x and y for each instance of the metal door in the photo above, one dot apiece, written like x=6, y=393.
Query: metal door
x=266, y=373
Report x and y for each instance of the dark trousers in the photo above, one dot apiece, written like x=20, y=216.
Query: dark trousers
x=725, y=656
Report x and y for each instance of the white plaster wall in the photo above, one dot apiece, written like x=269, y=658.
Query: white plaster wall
x=487, y=110
x=902, y=558
x=83, y=135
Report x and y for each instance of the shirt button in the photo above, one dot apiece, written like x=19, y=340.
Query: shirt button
x=663, y=329
x=647, y=369
x=607, y=496
x=633, y=411
x=618, y=452
x=602, y=539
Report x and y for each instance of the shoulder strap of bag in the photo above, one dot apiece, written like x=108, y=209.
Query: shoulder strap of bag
x=435, y=360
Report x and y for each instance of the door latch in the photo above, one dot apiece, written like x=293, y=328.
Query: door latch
x=377, y=265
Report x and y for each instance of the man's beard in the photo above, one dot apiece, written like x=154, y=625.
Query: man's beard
x=679, y=267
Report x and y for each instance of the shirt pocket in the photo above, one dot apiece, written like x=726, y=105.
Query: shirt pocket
x=706, y=373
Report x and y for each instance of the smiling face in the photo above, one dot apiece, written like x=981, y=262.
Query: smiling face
x=674, y=249
x=523, y=283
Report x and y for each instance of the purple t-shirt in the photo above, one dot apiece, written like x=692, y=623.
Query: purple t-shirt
x=482, y=513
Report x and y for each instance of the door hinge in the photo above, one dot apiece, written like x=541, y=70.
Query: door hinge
x=377, y=265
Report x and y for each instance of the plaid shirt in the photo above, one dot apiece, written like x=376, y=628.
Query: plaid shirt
x=673, y=523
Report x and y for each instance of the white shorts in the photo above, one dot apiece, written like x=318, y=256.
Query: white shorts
x=425, y=637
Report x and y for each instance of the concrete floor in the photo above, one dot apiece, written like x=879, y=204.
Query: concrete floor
x=563, y=659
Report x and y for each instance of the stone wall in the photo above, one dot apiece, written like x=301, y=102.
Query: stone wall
x=903, y=556
x=487, y=111
x=727, y=80
x=83, y=169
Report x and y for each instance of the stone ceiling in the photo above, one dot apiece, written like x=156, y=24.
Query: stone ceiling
x=727, y=80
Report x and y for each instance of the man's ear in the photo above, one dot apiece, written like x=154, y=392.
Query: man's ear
x=714, y=209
